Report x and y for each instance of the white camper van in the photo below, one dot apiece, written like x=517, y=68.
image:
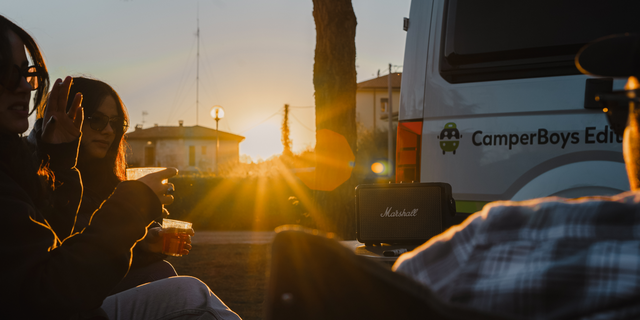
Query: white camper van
x=492, y=103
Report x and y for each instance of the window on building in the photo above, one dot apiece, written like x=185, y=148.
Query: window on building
x=192, y=156
x=383, y=104
x=204, y=150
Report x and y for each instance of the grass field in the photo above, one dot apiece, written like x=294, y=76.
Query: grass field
x=236, y=273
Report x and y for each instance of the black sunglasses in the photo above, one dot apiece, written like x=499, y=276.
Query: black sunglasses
x=99, y=121
x=33, y=75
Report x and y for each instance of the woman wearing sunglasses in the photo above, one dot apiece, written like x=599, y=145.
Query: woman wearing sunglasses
x=101, y=162
x=47, y=276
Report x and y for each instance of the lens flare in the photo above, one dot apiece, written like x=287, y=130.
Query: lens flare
x=377, y=167
x=632, y=83
x=334, y=162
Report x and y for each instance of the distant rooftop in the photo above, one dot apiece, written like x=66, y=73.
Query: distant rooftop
x=382, y=82
x=180, y=132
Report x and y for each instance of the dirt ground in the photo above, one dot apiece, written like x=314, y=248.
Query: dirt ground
x=233, y=237
x=233, y=264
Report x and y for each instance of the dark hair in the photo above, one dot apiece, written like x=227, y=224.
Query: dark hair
x=101, y=175
x=17, y=161
x=6, y=57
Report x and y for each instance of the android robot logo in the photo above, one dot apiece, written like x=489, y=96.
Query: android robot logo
x=449, y=138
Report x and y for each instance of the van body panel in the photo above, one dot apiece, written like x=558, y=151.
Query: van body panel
x=518, y=138
x=570, y=181
x=500, y=154
x=412, y=99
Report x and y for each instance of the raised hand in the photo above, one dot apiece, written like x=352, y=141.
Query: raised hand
x=60, y=126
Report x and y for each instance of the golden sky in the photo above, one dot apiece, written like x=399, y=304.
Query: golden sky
x=255, y=56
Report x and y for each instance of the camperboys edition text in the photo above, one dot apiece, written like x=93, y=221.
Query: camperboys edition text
x=590, y=135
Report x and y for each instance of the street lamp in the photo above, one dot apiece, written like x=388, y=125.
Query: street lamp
x=217, y=113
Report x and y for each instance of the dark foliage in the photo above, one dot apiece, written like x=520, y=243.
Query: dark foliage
x=253, y=203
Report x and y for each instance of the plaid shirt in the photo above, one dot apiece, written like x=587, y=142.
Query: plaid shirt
x=549, y=258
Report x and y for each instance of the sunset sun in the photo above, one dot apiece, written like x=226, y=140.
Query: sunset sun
x=262, y=141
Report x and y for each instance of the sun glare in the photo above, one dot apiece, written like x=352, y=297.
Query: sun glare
x=262, y=142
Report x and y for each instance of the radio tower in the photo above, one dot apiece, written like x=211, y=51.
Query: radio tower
x=198, y=63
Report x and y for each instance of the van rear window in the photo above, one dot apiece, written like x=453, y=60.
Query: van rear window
x=506, y=39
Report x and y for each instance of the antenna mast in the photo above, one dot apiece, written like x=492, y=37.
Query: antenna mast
x=198, y=64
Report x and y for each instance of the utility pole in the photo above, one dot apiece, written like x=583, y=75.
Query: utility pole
x=198, y=64
x=390, y=118
x=286, y=138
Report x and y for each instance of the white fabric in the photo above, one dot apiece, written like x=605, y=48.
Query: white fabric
x=176, y=298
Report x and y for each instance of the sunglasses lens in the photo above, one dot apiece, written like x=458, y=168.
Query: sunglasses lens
x=33, y=77
x=11, y=80
x=98, y=122
x=119, y=124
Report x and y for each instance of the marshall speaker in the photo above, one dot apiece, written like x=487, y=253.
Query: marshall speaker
x=405, y=213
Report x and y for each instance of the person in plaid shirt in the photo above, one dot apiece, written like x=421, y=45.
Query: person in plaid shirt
x=552, y=258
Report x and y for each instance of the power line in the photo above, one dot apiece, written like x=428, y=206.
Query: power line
x=187, y=108
x=181, y=84
x=208, y=71
x=227, y=123
x=263, y=121
x=386, y=72
x=300, y=122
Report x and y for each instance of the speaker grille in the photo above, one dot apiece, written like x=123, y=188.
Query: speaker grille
x=373, y=203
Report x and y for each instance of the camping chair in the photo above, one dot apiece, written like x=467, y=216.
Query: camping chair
x=315, y=277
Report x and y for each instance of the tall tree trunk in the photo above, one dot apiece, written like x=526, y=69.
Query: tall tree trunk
x=334, y=80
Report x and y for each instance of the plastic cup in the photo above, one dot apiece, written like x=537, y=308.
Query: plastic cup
x=174, y=236
x=137, y=173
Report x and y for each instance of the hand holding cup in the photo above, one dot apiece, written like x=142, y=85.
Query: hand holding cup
x=176, y=236
x=157, y=182
x=155, y=241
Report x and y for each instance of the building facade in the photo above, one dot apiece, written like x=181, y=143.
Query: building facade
x=190, y=149
x=372, y=98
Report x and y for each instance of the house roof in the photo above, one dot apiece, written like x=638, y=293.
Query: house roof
x=382, y=82
x=180, y=132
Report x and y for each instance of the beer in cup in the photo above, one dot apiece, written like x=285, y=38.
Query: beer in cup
x=175, y=235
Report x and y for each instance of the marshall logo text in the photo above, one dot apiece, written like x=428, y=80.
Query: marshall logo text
x=398, y=214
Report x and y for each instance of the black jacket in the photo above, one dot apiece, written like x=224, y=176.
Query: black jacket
x=90, y=203
x=68, y=218
x=45, y=277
